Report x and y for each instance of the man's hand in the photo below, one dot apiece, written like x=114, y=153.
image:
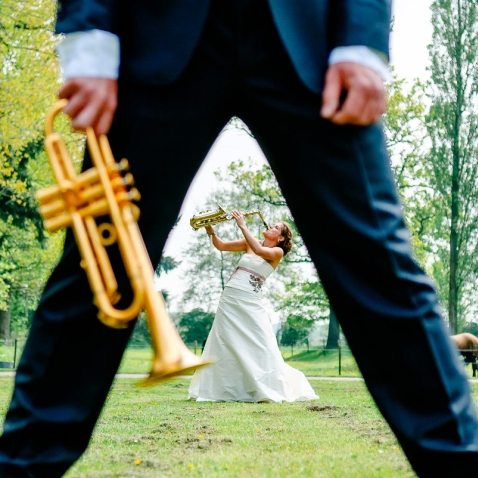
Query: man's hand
x=91, y=102
x=353, y=94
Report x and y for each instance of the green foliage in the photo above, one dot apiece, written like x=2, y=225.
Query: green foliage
x=432, y=137
x=471, y=327
x=195, y=325
x=29, y=78
x=302, y=296
x=452, y=162
x=405, y=135
x=166, y=265
x=247, y=188
x=140, y=335
x=17, y=203
x=295, y=329
x=29, y=73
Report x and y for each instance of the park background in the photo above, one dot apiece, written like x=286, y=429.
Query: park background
x=431, y=132
x=430, y=128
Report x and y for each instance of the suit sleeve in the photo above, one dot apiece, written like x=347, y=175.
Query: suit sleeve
x=85, y=15
x=361, y=22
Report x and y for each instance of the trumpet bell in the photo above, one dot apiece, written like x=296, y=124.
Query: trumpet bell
x=76, y=201
x=164, y=370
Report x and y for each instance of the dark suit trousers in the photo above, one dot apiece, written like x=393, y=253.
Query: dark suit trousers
x=339, y=187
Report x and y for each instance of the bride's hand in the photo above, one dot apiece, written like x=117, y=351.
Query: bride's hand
x=239, y=217
x=209, y=230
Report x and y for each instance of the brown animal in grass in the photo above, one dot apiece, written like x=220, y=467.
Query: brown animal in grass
x=467, y=344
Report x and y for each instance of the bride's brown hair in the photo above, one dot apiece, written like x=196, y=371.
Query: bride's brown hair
x=286, y=232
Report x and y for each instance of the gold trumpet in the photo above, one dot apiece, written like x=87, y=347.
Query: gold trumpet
x=210, y=218
x=105, y=189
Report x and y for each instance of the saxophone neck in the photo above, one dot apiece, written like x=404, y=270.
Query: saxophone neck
x=250, y=213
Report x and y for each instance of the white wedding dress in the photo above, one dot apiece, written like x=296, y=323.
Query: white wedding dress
x=248, y=364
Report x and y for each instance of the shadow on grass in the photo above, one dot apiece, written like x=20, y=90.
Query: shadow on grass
x=313, y=355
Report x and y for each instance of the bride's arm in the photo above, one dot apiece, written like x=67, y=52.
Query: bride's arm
x=231, y=246
x=270, y=254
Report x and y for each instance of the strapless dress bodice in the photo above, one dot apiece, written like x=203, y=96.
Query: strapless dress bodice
x=250, y=274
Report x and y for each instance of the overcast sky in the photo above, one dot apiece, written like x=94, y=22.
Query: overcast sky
x=409, y=57
x=411, y=34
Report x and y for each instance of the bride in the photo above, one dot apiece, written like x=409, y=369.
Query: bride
x=248, y=364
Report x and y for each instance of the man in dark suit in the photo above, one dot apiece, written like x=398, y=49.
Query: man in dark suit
x=306, y=77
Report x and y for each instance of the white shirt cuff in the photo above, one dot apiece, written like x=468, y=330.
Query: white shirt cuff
x=362, y=55
x=94, y=53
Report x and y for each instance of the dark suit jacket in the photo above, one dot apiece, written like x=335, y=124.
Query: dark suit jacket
x=158, y=37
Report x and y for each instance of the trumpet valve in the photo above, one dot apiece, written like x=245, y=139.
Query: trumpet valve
x=133, y=195
x=119, y=183
x=122, y=165
x=128, y=180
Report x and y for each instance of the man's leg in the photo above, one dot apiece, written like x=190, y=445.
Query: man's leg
x=70, y=359
x=339, y=187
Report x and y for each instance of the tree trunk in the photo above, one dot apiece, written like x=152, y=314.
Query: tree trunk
x=452, y=287
x=5, y=324
x=334, y=332
x=455, y=193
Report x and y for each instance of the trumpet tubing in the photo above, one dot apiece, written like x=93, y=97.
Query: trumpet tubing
x=106, y=190
x=211, y=218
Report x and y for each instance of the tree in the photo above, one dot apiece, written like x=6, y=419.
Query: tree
x=248, y=189
x=24, y=268
x=29, y=73
x=294, y=289
x=210, y=269
x=20, y=224
x=141, y=333
x=167, y=264
x=471, y=327
x=406, y=142
x=17, y=202
x=425, y=161
x=29, y=77
x=452, y=125
x=295, y=330
x=195, y=325
x=301, y=295
x=333, y=336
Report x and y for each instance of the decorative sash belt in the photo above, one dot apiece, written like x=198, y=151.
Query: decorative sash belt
x=255, y=280
x=250, y=272
x=247, y=270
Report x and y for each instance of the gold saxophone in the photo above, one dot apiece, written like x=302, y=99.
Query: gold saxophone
x=105, y=189
x=210, y=218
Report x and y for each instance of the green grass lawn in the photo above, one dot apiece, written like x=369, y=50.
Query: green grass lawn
x=323, y=363
x=156, y=432
x=314, y=363
x=7, y=352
